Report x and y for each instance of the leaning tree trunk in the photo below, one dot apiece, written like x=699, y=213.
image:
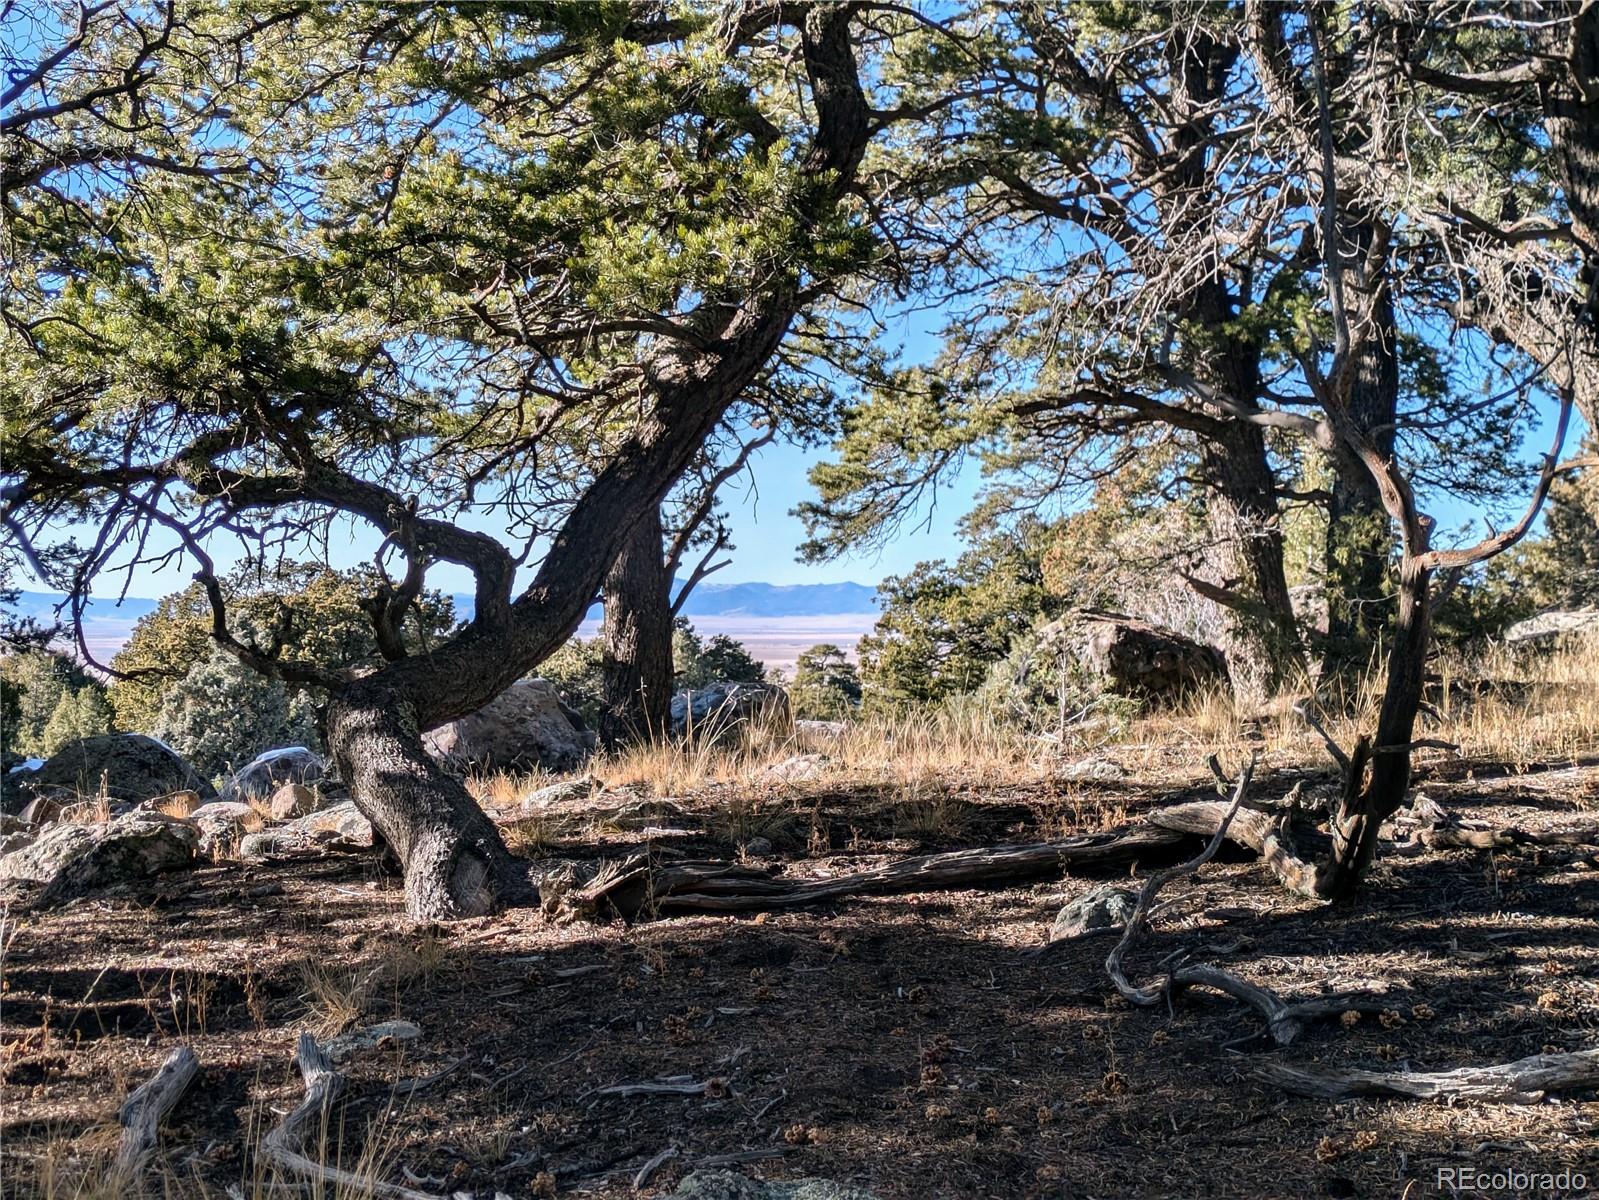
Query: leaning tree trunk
x=1259, y=635
x=456, y=864
x=1377, y=778
x=1359, y=537
x=637, y=639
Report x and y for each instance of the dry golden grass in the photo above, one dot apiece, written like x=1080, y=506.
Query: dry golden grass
x=337, y=995
x=79, y=1167
x=1512, y=707
x=499, y=791
x=178, y=804
x=1502, y=705
x=334, y=995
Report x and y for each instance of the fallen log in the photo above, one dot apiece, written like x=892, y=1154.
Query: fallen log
x=143, y=1111
x=1525, y=1081
x=1264, y=833
x=643, y=887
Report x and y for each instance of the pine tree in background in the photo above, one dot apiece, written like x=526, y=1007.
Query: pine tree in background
x=826, y=685
x=78, y=714
x=222, y=714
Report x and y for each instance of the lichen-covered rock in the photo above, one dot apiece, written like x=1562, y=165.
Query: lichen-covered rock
x=1551, y=626
x=723, y=708
x=338, y=827
x=130, y=767
x=730, y=1185
x=555, y=794
x=1093, y=769
x=269, y=845
x=821, y=731
x=1103, y=909
x=525, y=727
x=802, y=768
x=342, y=826
x=1138, y=659
x=270, y=770
x=67, y=861
x=222, y=824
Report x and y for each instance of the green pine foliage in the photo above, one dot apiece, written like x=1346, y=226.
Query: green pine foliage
x=826, y=686
x=221, y=714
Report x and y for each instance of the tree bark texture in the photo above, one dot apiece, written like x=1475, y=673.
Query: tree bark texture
x=456, y=864
x=1359, y=534
x=637, y=639
x=1371, y=796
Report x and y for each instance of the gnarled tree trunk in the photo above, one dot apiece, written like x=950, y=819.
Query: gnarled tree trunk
x=1373, y=795
x=456, y=864
x=637, y=639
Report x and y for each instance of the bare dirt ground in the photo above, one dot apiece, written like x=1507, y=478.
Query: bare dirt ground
x=902, y=1043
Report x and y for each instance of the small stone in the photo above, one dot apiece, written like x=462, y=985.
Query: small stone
x=758, y=847
x=564, y=792
x=370, y=1038
x=342, y=826
x=799, y=769
x=270, y=844
x=1093, y=768
x=1102, y=910
x=290, y=801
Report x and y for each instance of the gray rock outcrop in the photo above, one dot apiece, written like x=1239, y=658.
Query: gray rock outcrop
x=130, y=767
x=67, y=861
x=723, y=708
x=1139, y=659
x=270, y=770
x=1551, y=626
x=525, y=727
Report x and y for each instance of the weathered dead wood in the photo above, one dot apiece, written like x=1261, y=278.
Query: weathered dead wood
x=145, y=1108
x=714, y=1087
x=1264, y=833
x=1284, y=1020
x=641, y=887
x=655, y=1164
x=1525, y=1081
x=1439, y=829
x=281, y=1147
x=410, y=1087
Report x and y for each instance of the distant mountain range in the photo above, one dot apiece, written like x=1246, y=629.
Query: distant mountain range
x=107, y=623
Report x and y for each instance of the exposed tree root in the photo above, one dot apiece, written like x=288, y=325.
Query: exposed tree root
x=1285, y=1020
x=1525, y=1081
x=142, y=1112
x=282, y=1146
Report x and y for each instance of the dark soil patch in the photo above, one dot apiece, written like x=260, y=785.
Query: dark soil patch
x=901, y=1042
